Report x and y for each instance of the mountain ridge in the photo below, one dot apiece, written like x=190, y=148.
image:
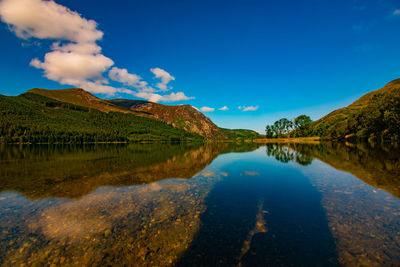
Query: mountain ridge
x=182, y=116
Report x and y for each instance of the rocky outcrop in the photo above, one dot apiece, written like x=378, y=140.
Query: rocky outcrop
x=182, y=116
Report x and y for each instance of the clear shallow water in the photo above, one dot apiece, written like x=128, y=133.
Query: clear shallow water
x=218, y=204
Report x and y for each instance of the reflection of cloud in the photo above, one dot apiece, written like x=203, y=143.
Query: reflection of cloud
x=250, y=173
x=208, y=173
x=364, y=48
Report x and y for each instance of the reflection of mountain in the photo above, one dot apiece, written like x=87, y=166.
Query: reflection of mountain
x=379, y=167
x=71, y=172
x=151, y=224
x=145, y=224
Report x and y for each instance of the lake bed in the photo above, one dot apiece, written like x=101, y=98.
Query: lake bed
x=214, y=204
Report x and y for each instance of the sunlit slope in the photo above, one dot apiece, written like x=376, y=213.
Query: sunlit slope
x=78, y=97
x=181, y=116
x=374, y=115
x=34, y=118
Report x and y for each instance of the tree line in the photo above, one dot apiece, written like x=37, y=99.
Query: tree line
x=298, y=127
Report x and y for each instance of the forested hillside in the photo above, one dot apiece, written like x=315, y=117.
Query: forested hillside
x=33, y=118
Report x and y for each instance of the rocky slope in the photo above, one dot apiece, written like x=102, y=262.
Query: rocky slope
x=183, y=116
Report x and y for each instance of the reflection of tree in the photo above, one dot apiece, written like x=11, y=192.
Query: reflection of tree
x=377, y=166
x=285, y=154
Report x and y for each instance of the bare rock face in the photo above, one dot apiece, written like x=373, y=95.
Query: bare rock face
x=183, y=116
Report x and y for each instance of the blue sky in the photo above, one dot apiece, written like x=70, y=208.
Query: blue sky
x=272, y=59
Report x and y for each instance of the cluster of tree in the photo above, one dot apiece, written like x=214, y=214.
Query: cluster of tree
x=37, y=119
x=298, y=127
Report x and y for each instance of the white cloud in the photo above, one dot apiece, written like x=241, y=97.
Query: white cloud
x=78, y=60
x=63, y=66
x=124, y=77
x=224, y=108
x=396, y=12
x=207, y=109
x=47, y=20
x=165, y=78
x=75, y=58
x=179, y=96
x=249, y=108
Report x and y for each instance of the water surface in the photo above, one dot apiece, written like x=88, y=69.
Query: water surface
x=206, y=205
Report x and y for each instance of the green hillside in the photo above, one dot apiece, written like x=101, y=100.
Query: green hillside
x=240, y=134
x=34, y=118
x=184, y=117
x=375, y=116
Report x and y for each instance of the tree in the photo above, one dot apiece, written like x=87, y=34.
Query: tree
x=269, y=131
x=302, y=125
x=283, y=126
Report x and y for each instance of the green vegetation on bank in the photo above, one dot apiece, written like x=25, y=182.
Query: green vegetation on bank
x=374, y=117
x=33, y=118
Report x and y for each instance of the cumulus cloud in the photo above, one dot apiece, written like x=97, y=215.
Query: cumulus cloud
x=207, y=109
x=74, y=57
x=396, y=12
x=65, y=66
x=77, y=60
x=153, y=97
x=164, y=76
x=47, y=20
x=224, y=108
x=249, y=108
x=124, y=77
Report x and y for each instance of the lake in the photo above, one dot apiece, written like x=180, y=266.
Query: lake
x=222, y=204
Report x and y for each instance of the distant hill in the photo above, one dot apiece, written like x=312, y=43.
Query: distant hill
x=375, y=115
x=240, y=134
x=182, y=116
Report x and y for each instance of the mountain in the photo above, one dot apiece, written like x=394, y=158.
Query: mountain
x=183, y=116
x=375, y=115
x=35, y=118
x=79, y=97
